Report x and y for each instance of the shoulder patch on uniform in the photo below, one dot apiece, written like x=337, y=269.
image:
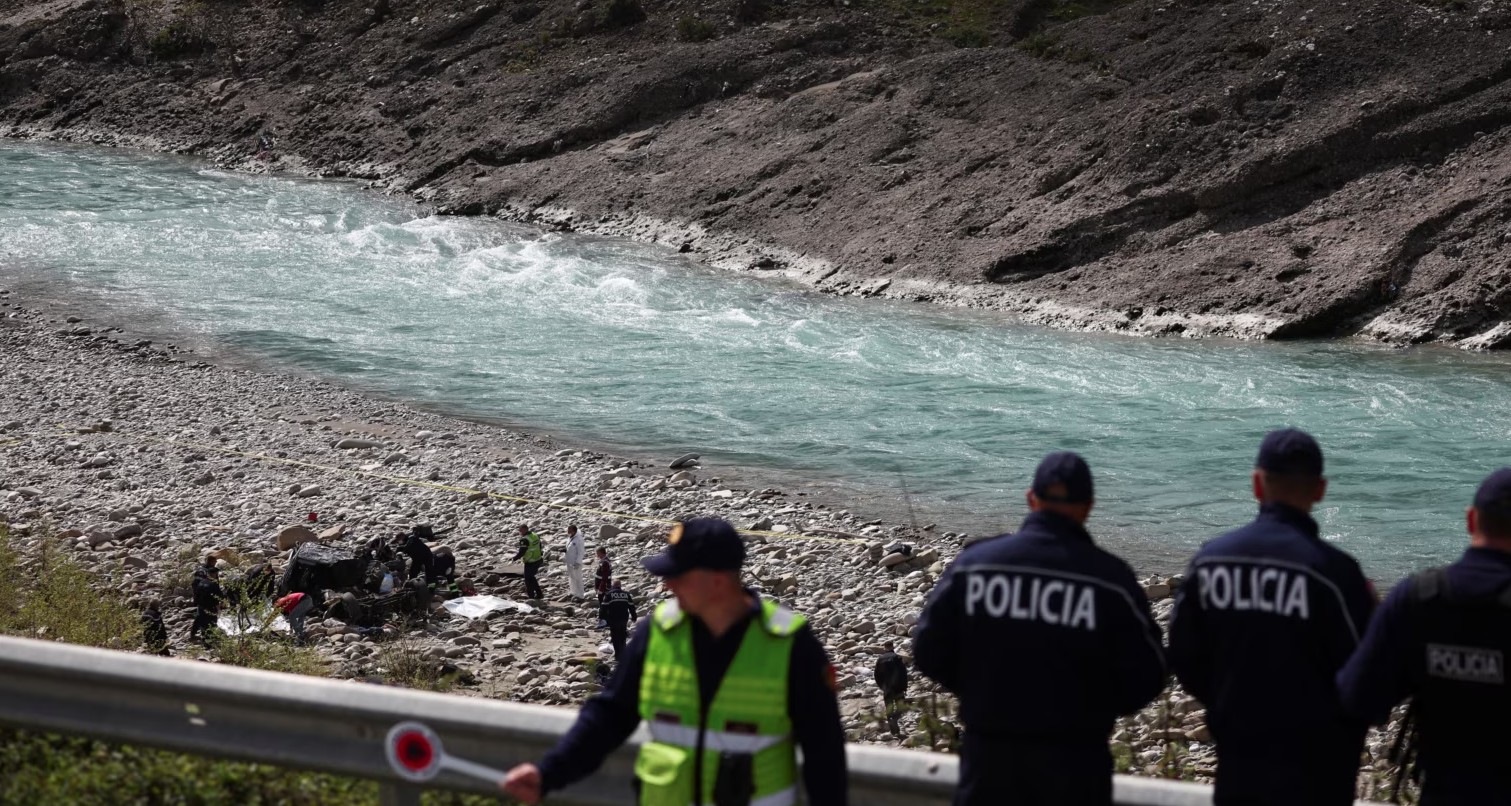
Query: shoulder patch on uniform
x=782, y=621
x=668, y=614
x=1429, y=584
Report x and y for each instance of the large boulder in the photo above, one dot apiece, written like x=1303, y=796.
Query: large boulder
x=99, y=533
x=609, y=531
x=291, y=536
x=356, y=443
x=128, y=530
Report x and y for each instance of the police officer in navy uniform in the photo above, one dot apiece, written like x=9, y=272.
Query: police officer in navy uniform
x=618, y=610
x=1046, y=639
x=696, y=658
x=1266, y=617
x=1442, y=638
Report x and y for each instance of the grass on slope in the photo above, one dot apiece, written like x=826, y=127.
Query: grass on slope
x=44, y=593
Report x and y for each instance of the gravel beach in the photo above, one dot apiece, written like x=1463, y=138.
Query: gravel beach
x=144, y=458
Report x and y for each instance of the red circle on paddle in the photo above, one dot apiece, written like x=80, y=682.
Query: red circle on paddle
x=414, y=751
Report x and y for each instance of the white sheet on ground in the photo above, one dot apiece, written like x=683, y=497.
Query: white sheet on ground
x=480, y=606
x=229, y=626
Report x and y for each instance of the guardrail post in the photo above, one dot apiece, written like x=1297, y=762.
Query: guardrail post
x=393, y=793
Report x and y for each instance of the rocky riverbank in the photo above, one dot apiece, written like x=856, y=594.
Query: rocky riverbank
x=1272, y=169
x=143, y=458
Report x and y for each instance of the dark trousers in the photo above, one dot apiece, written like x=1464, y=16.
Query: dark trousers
x=532, y=585
x=204, y=622
x=895, y=704
x=1310, y=777
x=1033, y=772
x=618, y=634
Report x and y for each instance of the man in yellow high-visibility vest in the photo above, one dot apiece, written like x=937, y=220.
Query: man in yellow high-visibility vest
x=533, y=555
x=729, y=685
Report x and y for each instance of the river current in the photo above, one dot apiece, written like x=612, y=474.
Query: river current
x=637, y=349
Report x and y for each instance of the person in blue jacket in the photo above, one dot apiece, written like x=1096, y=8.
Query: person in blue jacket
x=1442, y=638
x=1265, y=618
x=1046, y=639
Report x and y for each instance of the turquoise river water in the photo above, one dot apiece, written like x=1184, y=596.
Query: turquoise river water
x=635, y=348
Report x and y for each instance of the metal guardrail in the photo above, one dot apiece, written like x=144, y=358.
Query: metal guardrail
x=339, y=727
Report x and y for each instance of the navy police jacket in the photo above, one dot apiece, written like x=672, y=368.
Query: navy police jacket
x=1447, y=649
x=1042, y=635
x=1266, y=617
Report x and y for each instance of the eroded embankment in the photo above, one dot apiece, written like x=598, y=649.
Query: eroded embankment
x=1267, y=169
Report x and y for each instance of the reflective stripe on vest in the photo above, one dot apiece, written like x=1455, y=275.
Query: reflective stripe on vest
x=748, y=714
x=532, y=548
x=721, y=740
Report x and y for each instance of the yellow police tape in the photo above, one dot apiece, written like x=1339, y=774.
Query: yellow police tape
x=262, y=457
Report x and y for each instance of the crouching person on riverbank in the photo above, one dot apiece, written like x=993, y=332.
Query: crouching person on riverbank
x=1267, y=616
x=1046, y=639
x=295, y=607
x=1442, y=638
x=729, y=685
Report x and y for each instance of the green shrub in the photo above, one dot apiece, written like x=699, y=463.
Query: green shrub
x=1039, y=44
x=401, y=662
x=10, y=595
x=694, y=29
x=177, y=40
x=269, y=652
x=1049, y=46
x=49, y=769
x=966, y=35
x=43, y=768
x=46, y=594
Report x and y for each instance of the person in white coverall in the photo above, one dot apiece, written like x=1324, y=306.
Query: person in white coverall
x=575, y=555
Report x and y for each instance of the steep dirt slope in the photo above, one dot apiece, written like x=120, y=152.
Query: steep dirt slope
x=1264, y=168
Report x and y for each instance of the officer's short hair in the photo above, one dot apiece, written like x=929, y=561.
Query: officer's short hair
x=1495, y=524
x=1290, y=452
x=1289, y=483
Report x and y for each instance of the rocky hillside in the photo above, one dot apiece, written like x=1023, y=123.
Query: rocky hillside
x=1271, y=168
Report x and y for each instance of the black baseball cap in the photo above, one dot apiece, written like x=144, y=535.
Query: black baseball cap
x=1494, y=495
x=709, y=543
x=1290, y=452
x=1069, y=472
